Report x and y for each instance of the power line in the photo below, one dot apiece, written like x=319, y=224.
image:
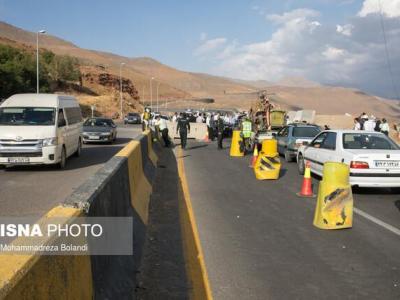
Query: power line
x=389, y=63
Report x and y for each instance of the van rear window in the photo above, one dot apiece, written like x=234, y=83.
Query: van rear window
x=27, y=116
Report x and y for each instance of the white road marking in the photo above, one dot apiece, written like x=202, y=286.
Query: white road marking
x=377, y=221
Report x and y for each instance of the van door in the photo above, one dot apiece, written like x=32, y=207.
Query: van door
x=61, y=130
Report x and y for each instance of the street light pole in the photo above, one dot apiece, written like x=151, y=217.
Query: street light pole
x=143, y=100
x=120, y=89
x=158, y=85
x=37, y=58
x=151, y=93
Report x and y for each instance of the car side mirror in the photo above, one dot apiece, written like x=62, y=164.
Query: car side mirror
x=305, y=143
x=274, y=134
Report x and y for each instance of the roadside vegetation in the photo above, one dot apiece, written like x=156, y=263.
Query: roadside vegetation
x=18, y=71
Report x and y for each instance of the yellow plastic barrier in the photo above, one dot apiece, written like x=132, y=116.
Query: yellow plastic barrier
x=335, y=199
x=237, y=140
x=270, y=148
x=268, y=164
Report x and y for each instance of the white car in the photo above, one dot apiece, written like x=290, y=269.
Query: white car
x=39, y=129
x=374, y=159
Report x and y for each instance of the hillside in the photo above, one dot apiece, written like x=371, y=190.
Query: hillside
x=290, y=92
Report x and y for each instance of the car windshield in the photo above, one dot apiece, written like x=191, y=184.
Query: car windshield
x=307, y=132
x=133, y=115
x=368, y=141
x=27, y=116
x=98, y=122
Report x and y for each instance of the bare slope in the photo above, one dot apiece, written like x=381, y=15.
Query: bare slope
x=176, y=84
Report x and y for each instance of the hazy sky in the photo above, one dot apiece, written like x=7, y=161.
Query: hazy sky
x=338, y=42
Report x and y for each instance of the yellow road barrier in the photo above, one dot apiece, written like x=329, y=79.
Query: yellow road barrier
x=237, y=140
x=268, y=164
x=36, y=276
x=270, y=147
x=334, y=208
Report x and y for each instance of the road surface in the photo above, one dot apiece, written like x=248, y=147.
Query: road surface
x=259, y=242
x=33, y=190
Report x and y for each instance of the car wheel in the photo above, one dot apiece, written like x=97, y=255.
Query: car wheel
x=2, y=167
x=79, y=150
x=63, y=161
x=288, y=157
x=301, y=164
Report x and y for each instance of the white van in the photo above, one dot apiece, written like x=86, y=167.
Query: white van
x=39, y=129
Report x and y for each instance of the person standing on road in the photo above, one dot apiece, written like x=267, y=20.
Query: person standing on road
x=163, y=128
x=175, y=117
x=212, y=125
x=220, y=129
x=184, y=128
x=378, y=125
x=357, y=125
x=246, y=130
x=369, y=124
x=385, y=127
x=199, y=119
x=146, y=119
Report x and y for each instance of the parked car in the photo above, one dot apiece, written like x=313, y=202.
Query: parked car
x=292, y=136
x=132, y=118
x=373, y=158
x=39, y=129
x=99, y=130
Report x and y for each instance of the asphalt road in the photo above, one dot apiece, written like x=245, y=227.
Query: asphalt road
x=259, y=241
x=33, y=190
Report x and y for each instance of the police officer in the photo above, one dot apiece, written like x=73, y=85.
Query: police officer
x=220, y=130
x=183, y=127
x=246, y=132
x=146, y=119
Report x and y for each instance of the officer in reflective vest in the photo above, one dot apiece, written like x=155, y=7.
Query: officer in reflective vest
x=247, y=129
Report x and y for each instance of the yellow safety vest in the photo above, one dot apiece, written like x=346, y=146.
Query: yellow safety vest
x=246, y=129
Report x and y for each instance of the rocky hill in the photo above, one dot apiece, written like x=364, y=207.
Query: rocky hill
x=173, y=84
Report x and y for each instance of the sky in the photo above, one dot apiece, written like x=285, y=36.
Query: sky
x=334, y=42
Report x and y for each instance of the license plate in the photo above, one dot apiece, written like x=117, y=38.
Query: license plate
x=18, y=160
x=94, y=137
x=387, y=164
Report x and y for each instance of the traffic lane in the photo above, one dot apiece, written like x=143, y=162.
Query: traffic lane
x=33, y=190
x=381, y=203
x=259, y=242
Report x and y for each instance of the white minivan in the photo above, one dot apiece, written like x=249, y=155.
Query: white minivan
x=39, y=129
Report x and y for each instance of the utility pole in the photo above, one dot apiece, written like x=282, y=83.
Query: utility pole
x=37, y=58
x=151, y=93
x=120, y=90
x=158, y=85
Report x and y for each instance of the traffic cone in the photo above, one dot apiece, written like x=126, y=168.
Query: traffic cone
x=255, y=156
x=306, y=188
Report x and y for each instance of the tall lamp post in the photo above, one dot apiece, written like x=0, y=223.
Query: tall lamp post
x=37, y=58
x=158, y=85
x=151, y=93
x=120, y=89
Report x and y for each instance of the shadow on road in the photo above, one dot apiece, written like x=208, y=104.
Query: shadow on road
x=163, y=273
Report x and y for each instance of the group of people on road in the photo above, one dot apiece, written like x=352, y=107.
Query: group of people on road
x=371, y=123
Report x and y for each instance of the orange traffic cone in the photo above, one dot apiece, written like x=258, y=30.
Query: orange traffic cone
x=255, y=156
x=306, y=188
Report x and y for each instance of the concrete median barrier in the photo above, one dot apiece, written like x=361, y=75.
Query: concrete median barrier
x=46, y=277
x=121, y=188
